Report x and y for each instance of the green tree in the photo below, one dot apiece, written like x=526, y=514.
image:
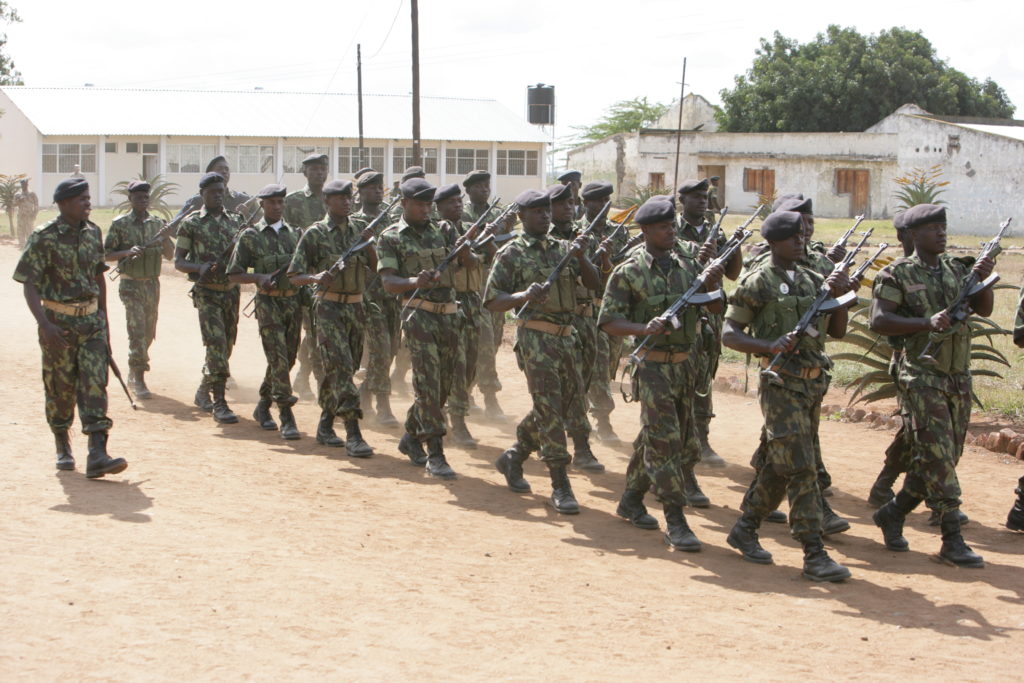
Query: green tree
x=8, y=74
x=846, y=81
x=625, y=116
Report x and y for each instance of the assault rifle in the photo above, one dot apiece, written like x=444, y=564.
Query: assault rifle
x=159, y=237
x=960, y=309
x=218, y=263
x=623, y=222
x=858, y=274
x=369, y=230
x=717, y=228
x=117, y=373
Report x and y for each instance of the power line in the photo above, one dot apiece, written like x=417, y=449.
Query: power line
x=388, y=34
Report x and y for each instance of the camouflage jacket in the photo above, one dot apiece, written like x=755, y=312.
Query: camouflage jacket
x=815, y=260
x=126, y=232
x=232, y=200
x=302, y=208
x=366, y=219
x=261, y=249
x=409, y=249
x=63, y=261
x=206, y=237
x=697, y=233
x=466, y=279
x=528, y=259
x=320, y=247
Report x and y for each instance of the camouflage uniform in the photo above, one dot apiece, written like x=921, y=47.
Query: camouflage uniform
x=468, y=285
x=263, y=250
x=609, y=348
x=63, y=262
x=302, y=209
x=713, y=206
x=492, y=325
x=383, y=330
x=550, y=357
x=338, y=312
x=139, y=284
x=232, y=201
x=431, y=335
x=205, y=237
x=771, y=304
x=639, y=290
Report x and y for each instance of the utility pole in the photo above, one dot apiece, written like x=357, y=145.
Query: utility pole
x=679, y=127
x=416, y=160
x=359, y=96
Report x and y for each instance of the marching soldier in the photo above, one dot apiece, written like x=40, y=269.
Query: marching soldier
x=61, y=271
x=910, y=296
x=574, y=179
x=547, y=344
x=205, y=239
x=769, y=301
x=1015, y=520
x=261, y=258
x=638, y=292
x=338, y=311
x=132, y=241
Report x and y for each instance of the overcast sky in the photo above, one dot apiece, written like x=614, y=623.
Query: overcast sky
x=594, y=53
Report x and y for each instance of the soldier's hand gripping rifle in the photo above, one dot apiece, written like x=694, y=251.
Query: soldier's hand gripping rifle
x=823, y=303
x=570, y=253
x=607, y=241
x=693, y=296
x=225, y=256
x=369, y=235
x=840, y=245
x=716, y=230
x=489, y=233
x=159, y=237
x=960, y=309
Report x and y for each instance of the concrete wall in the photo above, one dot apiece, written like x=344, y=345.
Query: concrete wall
x=697, y=111
x=19, y=145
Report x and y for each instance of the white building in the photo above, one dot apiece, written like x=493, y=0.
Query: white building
x=118, y=134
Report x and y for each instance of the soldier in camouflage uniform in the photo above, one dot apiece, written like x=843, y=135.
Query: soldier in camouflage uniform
x=638, y=292
x=27, y=204
x=1015, y=520
x=547, y=344
x=205, y=240
x=410, y=252
x=61, y=272
x=302, y=208
x=770, y=301
x=338, y=311
x=910, y=297
x=132, y=240
x=714, y=205
x=234, y=202
x=261, y=258
x=574, y=179
x=383, y=332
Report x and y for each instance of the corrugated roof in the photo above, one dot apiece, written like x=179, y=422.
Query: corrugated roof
x=261, y=113
x=1015, y=132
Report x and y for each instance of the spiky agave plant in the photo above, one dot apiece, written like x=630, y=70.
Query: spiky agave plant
x=920, y=186
x=159, y=190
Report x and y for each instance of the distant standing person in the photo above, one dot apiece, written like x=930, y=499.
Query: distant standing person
x=27, y=204
x=77, y=172
x=714, y=205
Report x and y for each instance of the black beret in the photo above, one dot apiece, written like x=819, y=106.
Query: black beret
x=655, y=210
x=272, y=190
x=570, y=176
x=665, y=197
x=714, y=177
x=477, y=176
x=781, y=225
x=799, y=205
x=783, y=197
x=364, y=169
x=369, y=177
x=70, y=187
x=413, y=172
x=899, y=221
x=447, y=192
x=694, y=186
x=559, y=192
x=214, y=161
x=418, y=188
x=209, y=179
x=338, y=187
x=597, y=189
x=923, y=214
x=315, y=158
x=531, y=199
x=138, y=186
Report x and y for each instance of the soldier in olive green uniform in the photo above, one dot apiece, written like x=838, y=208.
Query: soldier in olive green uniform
x=338, y=311
x=61, y=272
x=235, y=202
x=1015, y=520
x=574, y=179
x=205, y=241
x=910, y=297
x=770, y=300
x=638, y=292
x=133, y=240
x=261, y=258
x=547, y=344
x=410, y=252
x=714, y=204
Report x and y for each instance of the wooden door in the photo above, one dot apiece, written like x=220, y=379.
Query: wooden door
x=859, y=204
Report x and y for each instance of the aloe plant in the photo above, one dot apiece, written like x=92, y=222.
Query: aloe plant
x=159, y=190
x=920, y=186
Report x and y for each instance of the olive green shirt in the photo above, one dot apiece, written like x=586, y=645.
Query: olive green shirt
x=302, y=208
x=207, y=237
x=128, y=231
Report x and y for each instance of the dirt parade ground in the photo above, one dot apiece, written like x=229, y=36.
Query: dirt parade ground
x=226, y=552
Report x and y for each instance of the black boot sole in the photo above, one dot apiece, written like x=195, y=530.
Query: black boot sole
x=226, y=420
x=700, y=503
x=745, y=556
x=288, y=436
x=325, y=441
x=941, y=559
x=115, y=468
x=829, y=578
x=357, y=452
x=688, y=548
x=66, y=466
x=414, y=457
x=646, y=526
x=836, y=529
x=441, y=475
x=500, y=465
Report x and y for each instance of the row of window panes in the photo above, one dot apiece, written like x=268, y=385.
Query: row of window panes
x=62, y=157
x=132, y=148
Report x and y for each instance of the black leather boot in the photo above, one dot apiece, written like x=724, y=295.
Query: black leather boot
x=881, y=491
x=437, y=465
x=325, y=434
x=831, y=523
x=632, y=508
x=65, y=461
x=385, y=417
x=677, y=532
x=890, y=517
x=99, y=463
x=460, y=433
x=289, y=430
x=954, y=551
x=413, y=449
x=1015, y=520
x=694, y=496
x=221, y=412
x=202, y=398
x=354, y=443
x=492, y=410
x=605, y=432
x=262, y=415
x=583, y=458
x=776, y=517
x=818, y=566
x=562, y=497
x=935, y=519
x=510, y=464
x=743, y=537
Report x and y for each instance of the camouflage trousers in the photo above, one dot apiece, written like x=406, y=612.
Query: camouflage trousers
x=577, y=423
x=218, y=325
x=600, y=393
x=432, y=339
x=667, y=443
x=492, y=328
x=469, y=345
x=280, y=320
x=785, y=463
x=552, y=368
x=307, y=355
x=708, y=352
x=339, y=338
x=937, y=429
x=77, y=374
x=383, y=333
x=141, y=299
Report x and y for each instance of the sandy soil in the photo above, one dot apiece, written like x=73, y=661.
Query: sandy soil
x=224, y=551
